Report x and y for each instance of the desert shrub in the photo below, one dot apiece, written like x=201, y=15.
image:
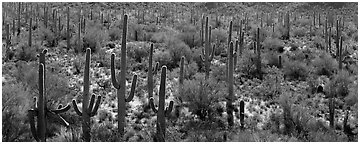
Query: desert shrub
x=177, y=49
x=219, y=72
x=115, y=34
x=196, y=58
x=202, y=97
x=94, y=38
x=219, y=36
x=163, y=57
x=26, y=53
x=339, y=85
x=299, y=31
x=247, y=63
x=48, y=36
x=135, y=31
x=319, y=42
x=16, y=100
x=303, y=22
x=190, y=69
x=263, y=34
x=153, y=28
x=324, y=64
x=270, y=87
x=352, y=98
x=158, y=37
x=190, y=38
x=136, y=52
x=272, y=59
x=272, y=44
x=295, y=70
x=56, y=86
x=104, y=131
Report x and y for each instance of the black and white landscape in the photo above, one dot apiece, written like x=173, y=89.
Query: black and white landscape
x=179, y=71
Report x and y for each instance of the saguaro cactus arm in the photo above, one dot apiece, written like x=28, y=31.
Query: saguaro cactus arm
x=132, y=91
x=77, y=110
x=61, y=109
x=152, y=105
x=95, y=109
x=31, y=115
x=169, y=108
x=113, y=77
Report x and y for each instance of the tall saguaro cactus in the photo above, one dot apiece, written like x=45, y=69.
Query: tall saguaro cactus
x=30, y=29
x=41, y=111
x=287, y=26
x=88, y=109
x=207, y=57
x=230, y=98
x=68, y=28
x=161, y=111
x=151, y=72
x=258, y=53
x=120, y=85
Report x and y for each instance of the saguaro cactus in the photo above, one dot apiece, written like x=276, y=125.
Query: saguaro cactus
x=41, y=111
x=258, y=53
x=207, y=57
x=30, y=29
x=68, y=28
x=120, y=85
x=88, y=109
x=151, y=72
x=230, y=98
x=161, y=111
x=287, y=26
x=340, y=53
x=242, y=114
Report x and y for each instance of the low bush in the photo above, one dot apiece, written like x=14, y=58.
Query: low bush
x=94, y=38
x=299, y=32
x=16, y=100
x=339, y=85
x=324, y=64
x=163, y=57
x=247, y=63
x=177, y=49
x=272, y=44
x=115, y=34
x=202, y=97
x=295, y=70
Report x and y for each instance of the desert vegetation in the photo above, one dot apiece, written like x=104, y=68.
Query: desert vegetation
x=189, y=72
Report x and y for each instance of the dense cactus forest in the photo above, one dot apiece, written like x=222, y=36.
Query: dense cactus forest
x=190, y=72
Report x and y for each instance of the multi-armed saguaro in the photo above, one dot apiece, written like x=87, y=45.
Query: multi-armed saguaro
x=161, y=111
x=120, y=85
x=41, y=111
x=88, y=109
x=207, y=57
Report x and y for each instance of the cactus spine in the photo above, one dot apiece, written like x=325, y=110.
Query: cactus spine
x=88, y=109
x=207, y=57
x=230, y=98
x=161, y=111
x=40, y=110
x=122, y=81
